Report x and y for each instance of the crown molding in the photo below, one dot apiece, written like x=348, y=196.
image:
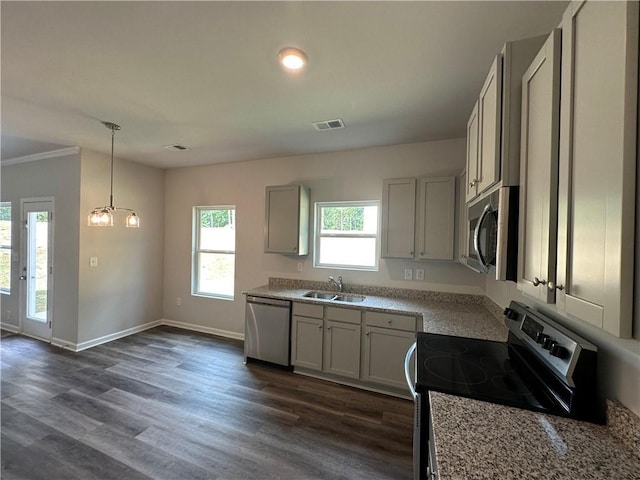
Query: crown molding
x=62, y=152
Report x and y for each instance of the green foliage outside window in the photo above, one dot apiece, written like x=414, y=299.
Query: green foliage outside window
x=216, y=218
x=344, y=219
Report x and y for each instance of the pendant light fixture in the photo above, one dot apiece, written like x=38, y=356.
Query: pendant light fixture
x=103, y=216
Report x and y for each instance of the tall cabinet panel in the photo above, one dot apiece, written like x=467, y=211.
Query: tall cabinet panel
x=489, y=111
x=287, y=220
x=398, y=217
x=471, y=182
x=597, y=163
x=436, y=218
x=539, y=172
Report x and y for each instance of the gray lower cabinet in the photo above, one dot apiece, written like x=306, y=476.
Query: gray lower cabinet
x=386, y=339
x=307, y=333
x=342, y=349
x=368, y=347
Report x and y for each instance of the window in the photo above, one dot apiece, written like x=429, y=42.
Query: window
x=5, y=247
x=346, y=235
x=214, y=252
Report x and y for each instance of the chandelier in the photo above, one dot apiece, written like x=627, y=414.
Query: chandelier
x=103, y=216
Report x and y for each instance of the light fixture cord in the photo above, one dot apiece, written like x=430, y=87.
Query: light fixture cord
x=113, y=134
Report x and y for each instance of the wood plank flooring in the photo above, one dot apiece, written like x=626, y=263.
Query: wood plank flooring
x=172, y=404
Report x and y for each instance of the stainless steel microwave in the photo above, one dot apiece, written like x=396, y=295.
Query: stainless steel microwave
x=492, y=224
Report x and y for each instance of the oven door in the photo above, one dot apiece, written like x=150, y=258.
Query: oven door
x=420, y=420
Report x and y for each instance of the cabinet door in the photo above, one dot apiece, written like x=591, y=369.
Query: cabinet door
x=342, y=349
x=436, y=218
x=463, y=229
x=306, y=342
x=384, y=352
x=539, y=172
x=598, y=133
x=398, y=217
x=286, y=220
x=490, y=118
x=473, y=159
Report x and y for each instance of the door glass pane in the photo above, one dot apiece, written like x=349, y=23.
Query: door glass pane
x=37, y=265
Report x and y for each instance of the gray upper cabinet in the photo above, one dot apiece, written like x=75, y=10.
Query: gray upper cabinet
x=398, y=217
x=420, y=224
x=493, y=130
x=539, y=172
x=436, y=218
x=287, y=220
x=598, y=155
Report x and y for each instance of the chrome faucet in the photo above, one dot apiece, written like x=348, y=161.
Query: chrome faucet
x=338, y=284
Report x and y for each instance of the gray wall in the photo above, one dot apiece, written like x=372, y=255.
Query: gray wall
x=58, y=178
x=347, y=175
x=125, y=290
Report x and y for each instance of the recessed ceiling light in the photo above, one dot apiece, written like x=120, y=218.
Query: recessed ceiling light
x=292, y=58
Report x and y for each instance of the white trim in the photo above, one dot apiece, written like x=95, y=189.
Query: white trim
x=116, y=335
x=202, y=329
x=62, y=343
x=62, y=152
x=9, y=327
x=77, y=347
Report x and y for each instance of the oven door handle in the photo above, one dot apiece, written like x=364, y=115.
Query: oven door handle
x=476, y=238
x=407, y=367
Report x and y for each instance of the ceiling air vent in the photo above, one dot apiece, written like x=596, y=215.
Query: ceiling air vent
x=176, y=148
x=329, y=124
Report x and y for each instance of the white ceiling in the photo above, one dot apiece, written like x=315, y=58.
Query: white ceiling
x=205, y=74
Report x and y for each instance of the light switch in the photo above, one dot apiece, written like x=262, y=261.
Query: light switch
x=93, y=261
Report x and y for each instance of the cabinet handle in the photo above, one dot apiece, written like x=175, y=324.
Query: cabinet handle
x=421, y=254
x=328, y=328
x=411, y=253
x=474, y=182
x=389, y=321
x=537, y=281
x=367, y=334
x=551, y=286
x=319, y=326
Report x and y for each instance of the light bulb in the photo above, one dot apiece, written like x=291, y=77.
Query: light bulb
x=292, y=58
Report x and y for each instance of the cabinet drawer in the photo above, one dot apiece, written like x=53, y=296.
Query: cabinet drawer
x=389, y=320
x=346, y=315
x=308, y=310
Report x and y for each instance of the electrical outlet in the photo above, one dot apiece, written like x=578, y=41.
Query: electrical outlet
x=93, y=261
x=179, y=301
x=8, y=315
x=408, y=274
x=419, y=273
x=300, y=267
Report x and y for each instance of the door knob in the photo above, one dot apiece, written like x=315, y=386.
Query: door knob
x=23, y=277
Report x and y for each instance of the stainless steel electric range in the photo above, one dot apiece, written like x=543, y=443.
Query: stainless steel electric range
x=542, y=366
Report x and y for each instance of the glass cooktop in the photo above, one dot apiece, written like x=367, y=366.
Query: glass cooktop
x=474, y=368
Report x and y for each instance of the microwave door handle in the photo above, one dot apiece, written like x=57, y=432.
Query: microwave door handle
x=407, y=372
x=476, y=238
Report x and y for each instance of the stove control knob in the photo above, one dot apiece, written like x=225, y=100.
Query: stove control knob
x=557, y=350
x=546, y=344
x=510, y=313
x=541, y=337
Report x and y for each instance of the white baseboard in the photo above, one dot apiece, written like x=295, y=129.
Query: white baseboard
x=77, y=347
x=9, y=328
x=202, y=329
x=116, y=335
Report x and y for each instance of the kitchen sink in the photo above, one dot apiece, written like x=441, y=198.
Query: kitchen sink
x=349, y=298
x=338, y=297
x=320, y=295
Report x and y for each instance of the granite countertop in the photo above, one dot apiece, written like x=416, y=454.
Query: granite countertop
x=442, y=313
x=476, y=440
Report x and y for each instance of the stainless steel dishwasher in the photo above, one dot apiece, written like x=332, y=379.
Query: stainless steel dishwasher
x=267, y=330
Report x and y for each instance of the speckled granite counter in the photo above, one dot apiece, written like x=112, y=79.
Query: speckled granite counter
x=475, y=440
x=442, y=313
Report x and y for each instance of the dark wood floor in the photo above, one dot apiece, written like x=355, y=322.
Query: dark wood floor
x=172, y=404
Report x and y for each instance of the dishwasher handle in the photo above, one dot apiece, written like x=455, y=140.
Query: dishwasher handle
x=269, y=301
x=407, y=366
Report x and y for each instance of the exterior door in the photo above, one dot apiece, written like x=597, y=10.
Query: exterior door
x=36, y=268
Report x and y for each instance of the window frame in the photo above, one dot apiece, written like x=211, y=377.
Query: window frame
x=317, y=235
x=196, y=291
x=9, y=246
